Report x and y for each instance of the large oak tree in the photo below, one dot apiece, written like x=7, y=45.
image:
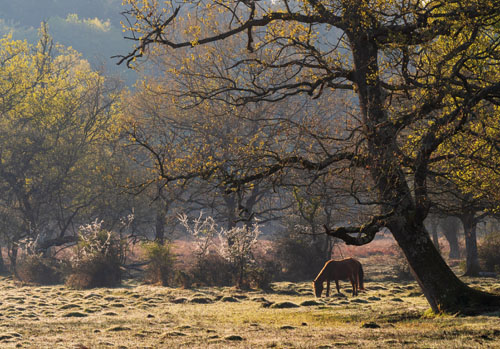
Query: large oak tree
x=421, y=72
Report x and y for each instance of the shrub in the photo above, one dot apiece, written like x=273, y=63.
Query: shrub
x=262, y=275
x=95, y=271
x=237, y=247
x=299, y=256
x=265, y=268
x=183, y=279
x=402, y=270
x=41, y=270
x=161, y=263
x=212, y=270
x=99, y=257
x=489, y=252
x=222, y=254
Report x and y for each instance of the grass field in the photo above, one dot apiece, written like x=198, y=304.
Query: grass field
x=388, y=314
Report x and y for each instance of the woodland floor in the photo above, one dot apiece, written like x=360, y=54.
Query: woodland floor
x=389, y=314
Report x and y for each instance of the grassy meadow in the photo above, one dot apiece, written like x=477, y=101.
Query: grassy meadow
x=389, y=314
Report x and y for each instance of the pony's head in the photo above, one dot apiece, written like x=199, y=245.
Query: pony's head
x=318, y=288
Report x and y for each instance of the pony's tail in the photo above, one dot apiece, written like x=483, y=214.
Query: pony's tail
x=361, y=276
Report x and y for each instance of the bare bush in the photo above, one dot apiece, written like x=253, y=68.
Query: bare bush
x=41, y=270
x=222, y=252
x=99, y=256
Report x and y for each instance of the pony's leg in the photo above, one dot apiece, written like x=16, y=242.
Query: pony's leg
x=356, y=281
x=327, y=288
x=353, y=283
x=337, y=284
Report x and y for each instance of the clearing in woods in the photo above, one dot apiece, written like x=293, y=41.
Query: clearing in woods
x=388, y=314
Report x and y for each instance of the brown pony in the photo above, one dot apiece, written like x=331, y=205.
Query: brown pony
x=339, y=270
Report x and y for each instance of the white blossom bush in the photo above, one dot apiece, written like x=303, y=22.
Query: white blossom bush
x=216, y=244
x=203, y=231
x=237, y=246
x=98, y=259
x=93, y=239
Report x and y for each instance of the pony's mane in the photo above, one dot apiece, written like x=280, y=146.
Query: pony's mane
x=320, y=273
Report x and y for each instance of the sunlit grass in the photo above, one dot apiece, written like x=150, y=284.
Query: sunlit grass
x=388, y=314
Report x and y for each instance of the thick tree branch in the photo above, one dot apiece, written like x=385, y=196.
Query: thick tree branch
x=365, y=233
x=291, y=161
x=157, y=35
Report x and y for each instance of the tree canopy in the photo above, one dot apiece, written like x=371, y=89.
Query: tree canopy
x=57, y=117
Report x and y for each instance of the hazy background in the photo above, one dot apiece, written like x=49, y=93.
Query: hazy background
x=92, y=27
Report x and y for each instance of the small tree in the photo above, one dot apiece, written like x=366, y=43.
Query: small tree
x=161, y=262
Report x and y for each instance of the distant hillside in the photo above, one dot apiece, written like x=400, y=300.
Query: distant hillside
x=92, y=27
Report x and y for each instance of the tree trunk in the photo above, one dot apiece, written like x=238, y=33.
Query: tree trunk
x=449, y=228
x=432, y=227
x=435, y=238
x=442, y=288
x=160, y=225
x=329, y=245
x=2, y=263
x=13, y=258
x=231, y=208
x=472, y=260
